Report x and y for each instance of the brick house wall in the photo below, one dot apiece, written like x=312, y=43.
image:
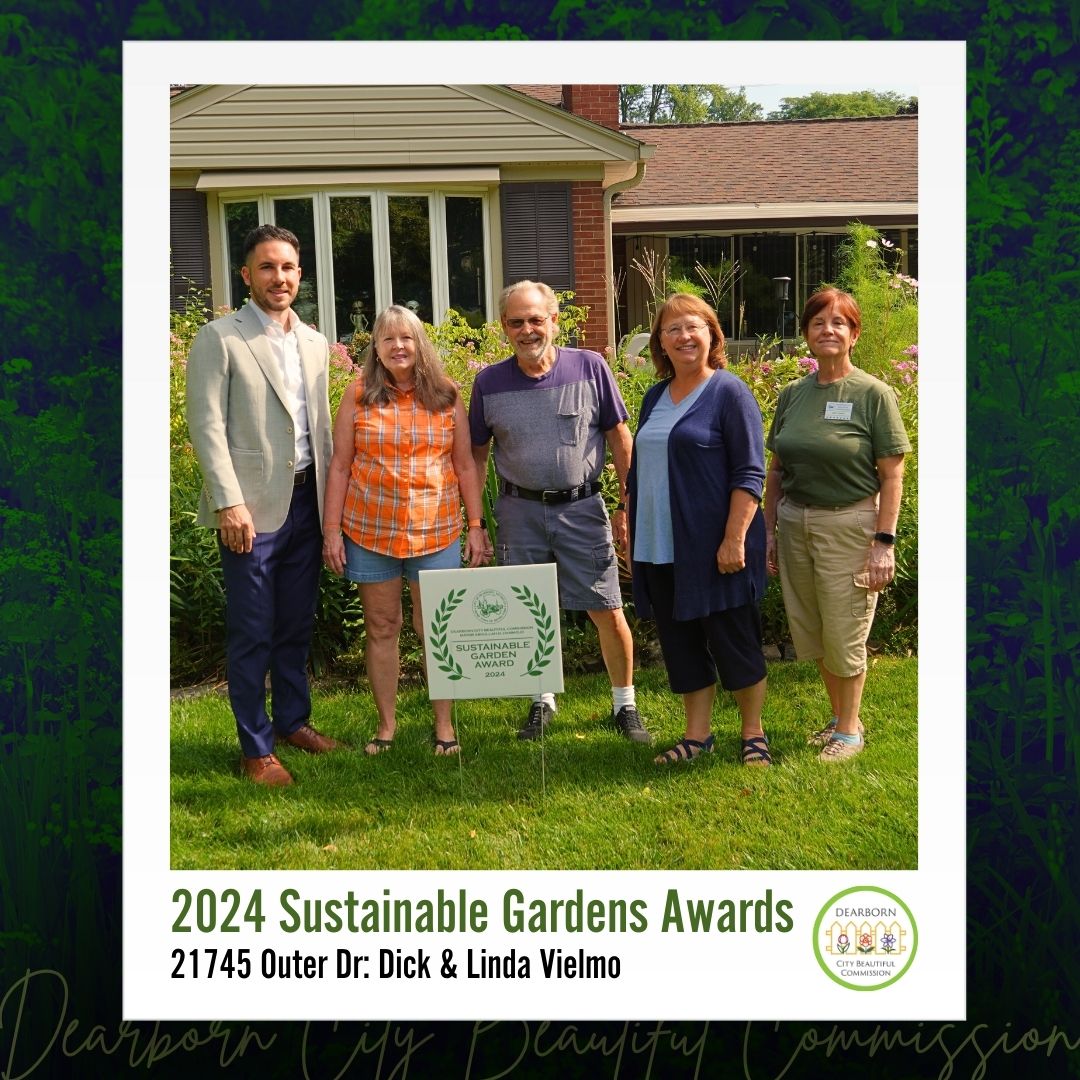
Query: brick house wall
x=590, y=246
x=600, y=104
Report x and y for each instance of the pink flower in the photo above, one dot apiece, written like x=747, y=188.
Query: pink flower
x=766, y=368
x=912, y=350
x=339, y=357
x=808, y=363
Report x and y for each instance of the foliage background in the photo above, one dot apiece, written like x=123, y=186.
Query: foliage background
x=60, y=673
x=887, y=349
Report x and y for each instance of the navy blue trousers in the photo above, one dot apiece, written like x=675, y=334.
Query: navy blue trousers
x=270, y=597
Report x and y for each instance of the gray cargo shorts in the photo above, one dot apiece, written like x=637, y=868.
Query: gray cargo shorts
x=576, y=536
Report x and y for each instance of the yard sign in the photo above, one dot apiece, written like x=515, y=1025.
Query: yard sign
x=492, y=631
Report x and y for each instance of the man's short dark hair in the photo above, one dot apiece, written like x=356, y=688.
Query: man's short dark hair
x=261, y=233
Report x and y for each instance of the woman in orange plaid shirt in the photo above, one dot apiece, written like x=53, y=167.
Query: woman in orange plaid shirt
x=401, y=469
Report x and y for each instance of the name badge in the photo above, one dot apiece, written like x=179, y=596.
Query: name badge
x=838, y=410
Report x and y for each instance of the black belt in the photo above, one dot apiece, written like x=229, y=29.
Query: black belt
x=301, y=476
x=549, y=496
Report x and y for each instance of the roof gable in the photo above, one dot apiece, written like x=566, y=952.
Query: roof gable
x=371, y=126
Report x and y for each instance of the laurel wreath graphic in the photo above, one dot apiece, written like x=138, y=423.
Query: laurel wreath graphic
x=545, y=635
x=440, y=650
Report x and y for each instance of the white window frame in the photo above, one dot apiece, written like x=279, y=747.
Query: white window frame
x=380, y=226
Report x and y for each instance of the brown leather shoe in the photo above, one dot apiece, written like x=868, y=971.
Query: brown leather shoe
x=313, y=742
x=266, y=770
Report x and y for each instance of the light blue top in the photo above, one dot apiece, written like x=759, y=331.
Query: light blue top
x=653, y=538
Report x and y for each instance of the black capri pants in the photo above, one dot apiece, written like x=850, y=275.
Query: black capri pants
x=722, y=646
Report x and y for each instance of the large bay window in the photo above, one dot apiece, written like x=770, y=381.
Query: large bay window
x=362, y=251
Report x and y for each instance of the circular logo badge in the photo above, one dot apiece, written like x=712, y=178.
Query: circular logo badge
x=489, y=605
x=865, y=938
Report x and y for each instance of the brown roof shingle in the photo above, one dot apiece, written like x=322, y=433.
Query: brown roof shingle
x=861, y=159
x=550, y=95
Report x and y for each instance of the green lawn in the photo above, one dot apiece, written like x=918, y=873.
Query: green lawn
x=585, y=799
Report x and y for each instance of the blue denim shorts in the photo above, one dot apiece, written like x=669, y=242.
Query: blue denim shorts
x=367, y=567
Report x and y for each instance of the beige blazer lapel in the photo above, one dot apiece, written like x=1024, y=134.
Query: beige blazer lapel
x=251, y=329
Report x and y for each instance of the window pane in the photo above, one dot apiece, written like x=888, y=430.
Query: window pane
x=240, y=219
x=354, y=265
x=410, y=253
x=913, y=253
x=298, y=215
x=763, y=258
x=465, y=258
x=818, y=254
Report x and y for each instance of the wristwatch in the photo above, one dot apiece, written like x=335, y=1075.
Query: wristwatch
x=885, y=538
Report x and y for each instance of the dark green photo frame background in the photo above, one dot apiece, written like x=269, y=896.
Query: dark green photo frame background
x=60, y=519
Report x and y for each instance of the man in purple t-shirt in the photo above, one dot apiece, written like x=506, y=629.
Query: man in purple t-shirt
x=551, y=413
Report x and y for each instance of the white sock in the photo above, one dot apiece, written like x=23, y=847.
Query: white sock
x=622, y=695
x=547, y=699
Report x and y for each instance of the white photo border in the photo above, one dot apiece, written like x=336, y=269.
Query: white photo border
x=768, y=977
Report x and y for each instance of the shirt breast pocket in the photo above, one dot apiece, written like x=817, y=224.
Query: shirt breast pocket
x=570, y=425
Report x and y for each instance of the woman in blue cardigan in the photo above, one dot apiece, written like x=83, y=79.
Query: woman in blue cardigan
x=697, y=532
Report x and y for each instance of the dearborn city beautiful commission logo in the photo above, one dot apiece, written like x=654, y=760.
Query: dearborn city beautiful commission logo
x=865, y=938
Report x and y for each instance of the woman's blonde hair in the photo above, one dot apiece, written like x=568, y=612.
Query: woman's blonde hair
x=435, y=390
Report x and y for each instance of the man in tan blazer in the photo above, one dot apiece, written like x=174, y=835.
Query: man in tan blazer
x=259, y=415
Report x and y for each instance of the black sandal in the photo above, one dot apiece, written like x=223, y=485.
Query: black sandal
x=377, y=746
x=446, y=747
x=685, y=750
x=755, y=751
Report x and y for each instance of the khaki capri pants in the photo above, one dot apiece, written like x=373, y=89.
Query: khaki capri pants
x=823, y=554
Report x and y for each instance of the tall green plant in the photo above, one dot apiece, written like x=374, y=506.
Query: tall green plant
x=888, y=299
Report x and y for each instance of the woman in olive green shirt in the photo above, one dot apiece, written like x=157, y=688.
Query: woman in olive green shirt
x=832, y=496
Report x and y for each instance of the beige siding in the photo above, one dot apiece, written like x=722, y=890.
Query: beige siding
x=365, y=126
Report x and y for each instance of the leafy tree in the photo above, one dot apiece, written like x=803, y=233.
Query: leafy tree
x=822, y=105
x=698, y=103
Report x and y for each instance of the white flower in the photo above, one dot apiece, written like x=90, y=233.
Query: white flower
x=871, y=243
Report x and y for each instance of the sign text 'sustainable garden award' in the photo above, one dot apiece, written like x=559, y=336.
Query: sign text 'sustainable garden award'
x=492, y=631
